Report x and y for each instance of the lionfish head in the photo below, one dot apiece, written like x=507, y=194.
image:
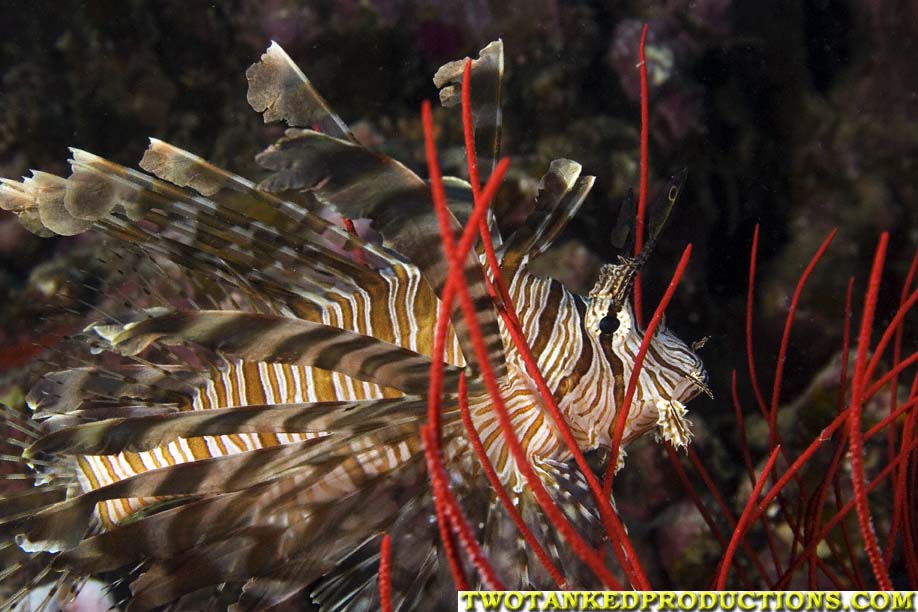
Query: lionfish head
x=672, y=374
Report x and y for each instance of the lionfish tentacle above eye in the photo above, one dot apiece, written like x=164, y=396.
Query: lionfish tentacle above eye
x=242, y=437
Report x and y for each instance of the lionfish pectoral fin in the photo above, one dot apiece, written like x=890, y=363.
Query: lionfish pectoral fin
x=672, y=426
x=277, y=339
x=145, y=433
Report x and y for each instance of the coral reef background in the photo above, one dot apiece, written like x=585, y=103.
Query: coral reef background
x=797, y=115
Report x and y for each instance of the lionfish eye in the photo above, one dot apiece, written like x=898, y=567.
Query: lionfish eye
x=608, y=324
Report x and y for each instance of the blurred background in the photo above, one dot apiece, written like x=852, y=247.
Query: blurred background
x=800, y=116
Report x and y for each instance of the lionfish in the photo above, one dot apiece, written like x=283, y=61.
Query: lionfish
x=248, y=445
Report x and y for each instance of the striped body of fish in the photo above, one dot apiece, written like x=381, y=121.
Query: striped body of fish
x=252, y=449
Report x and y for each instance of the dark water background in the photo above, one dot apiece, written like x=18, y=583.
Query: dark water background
x=799, y=116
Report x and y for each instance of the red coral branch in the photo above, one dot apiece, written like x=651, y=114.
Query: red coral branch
x=623, y=548
x=840, y=516
x=785, y=339
x=642, y=194
x=456, y=283
x=622, y=416
x=744, y=522
x=499, y=490
x=709, y=519
x=750, y=296
x=385, y=578
x=453, y=511
x=900, y=509
x=855, y=433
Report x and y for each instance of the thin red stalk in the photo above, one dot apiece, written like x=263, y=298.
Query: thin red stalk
x=693, y=495
x=838, y=517
x=899, y=489
x=815, y=524
x=578, y=545
x=497, y=485
x=847, y=539
x=709, y=520
x=468, y=131
x=894, y=325
x=750, y=295
x=446, y=535
x=744, y=521
x=841, y=419
x=856, y=435
x=385, y=578
x=908, y=519
x=882, y=381
x=624, y=551
x=437, y=365
x=622, y=416
x=889, y=419
x=454, y=512
x=642, y=194
x=712, y=488
x=785, y=339
x=843, y=388
x=774, y=437
x=727, y=513
x=750, y=472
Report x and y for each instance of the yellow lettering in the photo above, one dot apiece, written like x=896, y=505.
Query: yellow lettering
x=588, y=600
x=746, y=601
x=903, y=600
x=879, y=600
x=490, y=600
x=814, y=600
x=794, y=601
x=517, y=598
x=630, y=600
x=688, y=600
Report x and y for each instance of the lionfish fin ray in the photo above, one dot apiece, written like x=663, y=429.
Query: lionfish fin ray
x=280, y=91
x=143, y=433
x=561, y=193
x=362, y=184
x=277, y=339
x=486, y=78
